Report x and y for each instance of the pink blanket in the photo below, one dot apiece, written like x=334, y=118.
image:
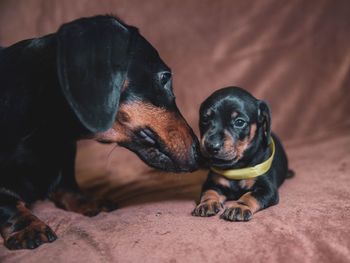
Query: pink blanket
x=311, y=223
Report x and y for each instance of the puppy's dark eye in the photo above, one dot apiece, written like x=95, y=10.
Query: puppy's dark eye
x=164, y=77
x=239, y=123
x=205, y=118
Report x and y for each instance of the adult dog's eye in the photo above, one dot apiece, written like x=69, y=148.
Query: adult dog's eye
x=239, y=123
x=164, y=77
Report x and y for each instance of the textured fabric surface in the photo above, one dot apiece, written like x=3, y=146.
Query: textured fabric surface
x=295, y=55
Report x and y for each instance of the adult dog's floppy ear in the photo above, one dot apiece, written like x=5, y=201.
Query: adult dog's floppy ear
x=92, y=60
x=264, y=118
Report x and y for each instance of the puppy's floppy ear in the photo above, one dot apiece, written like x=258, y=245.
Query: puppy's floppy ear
x=264, y=118
x=92, y=59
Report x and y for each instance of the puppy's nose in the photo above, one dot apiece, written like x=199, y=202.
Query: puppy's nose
x=213, y=147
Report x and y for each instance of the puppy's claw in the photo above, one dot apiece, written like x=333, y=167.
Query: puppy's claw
x=208, y=208
x=237, y=213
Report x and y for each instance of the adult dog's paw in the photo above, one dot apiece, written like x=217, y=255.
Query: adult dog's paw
x=207, y=208
x=79, y=203
x=31, y=236
x=94, y=207
x=237, y=212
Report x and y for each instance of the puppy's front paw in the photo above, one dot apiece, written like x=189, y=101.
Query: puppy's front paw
x=237, y=212
x=207, y=208
x=31, y=236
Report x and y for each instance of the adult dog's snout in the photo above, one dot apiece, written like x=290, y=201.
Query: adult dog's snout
x=183, y=147
x=165, y=142
x=193, y=159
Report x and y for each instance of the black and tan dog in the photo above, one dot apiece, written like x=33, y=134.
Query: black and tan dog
x=95, y=77
x=248, y=163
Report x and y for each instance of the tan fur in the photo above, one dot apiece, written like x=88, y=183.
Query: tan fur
x=35, y=225
x=234, y=114
x=78, y=203
x=202, y=144
x=250, y=201
x=229, y=148
x=235, y=150
x=212, y=196
x=169, y=126
x=247, y=184
x=125, y=85
x=218, y=179
x=241, y=146
x=243, y=208
x=211, y=203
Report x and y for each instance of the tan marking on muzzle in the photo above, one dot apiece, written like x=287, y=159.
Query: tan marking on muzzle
x=169, y=126
x=235, y=150
x=202, y=143
x=229, y=148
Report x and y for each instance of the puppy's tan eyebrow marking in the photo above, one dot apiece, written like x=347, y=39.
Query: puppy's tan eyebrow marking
x=208, y=112
x=234, y=114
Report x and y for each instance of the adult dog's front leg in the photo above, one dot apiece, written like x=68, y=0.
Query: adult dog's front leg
x=263, y=196
x=19, y=227
x=68, y=195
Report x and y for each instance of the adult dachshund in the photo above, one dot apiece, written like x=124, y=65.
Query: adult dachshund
x=95, y=77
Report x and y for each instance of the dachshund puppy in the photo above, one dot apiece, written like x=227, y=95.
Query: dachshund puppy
x=94, y=78
x=247, y=162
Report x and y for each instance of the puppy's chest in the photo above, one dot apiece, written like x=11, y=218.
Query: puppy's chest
x=232, y=188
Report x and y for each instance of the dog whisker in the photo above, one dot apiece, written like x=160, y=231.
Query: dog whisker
x=109, y=155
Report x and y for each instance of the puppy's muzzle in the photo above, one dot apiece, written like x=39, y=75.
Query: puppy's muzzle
x=212, y=147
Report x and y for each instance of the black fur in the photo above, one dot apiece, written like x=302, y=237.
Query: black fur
x=69, y=85
x=233, y=112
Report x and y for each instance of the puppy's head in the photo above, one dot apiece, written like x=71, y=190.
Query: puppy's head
x=233, y=124
x=121, y=91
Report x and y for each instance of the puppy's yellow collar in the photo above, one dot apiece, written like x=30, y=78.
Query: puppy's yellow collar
x=248, y=172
